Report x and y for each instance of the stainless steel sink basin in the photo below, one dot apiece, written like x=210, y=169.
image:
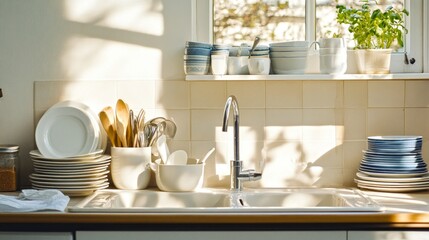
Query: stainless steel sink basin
x=223, y=201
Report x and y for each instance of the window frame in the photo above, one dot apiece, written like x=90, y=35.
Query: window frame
x=417, y=23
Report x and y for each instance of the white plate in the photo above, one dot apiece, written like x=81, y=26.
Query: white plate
x=83, y=179
x=103, y=136
x=56, y=186
x=90, y=163
x=71, y=176
x=68, y=168
x=76, y=192
x=394, y=175
x=391, y=184
x=65, y=132
x=70, y=171
x=398, y=190
x=92, y=155
x=69, y=184
x=363, y=176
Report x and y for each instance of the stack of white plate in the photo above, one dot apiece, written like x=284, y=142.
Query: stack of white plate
x=71, y=142
x=74, y=176
x=393, y=164
x=289, y=57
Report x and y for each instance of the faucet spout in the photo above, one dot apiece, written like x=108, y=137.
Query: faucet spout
x=232, y=100
x=238, y=175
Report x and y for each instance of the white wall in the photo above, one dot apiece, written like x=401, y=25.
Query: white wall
x=96, y=51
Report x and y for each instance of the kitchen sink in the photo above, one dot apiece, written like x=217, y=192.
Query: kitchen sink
x=224, y=201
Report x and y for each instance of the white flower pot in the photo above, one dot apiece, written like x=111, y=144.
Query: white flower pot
x=373, y=61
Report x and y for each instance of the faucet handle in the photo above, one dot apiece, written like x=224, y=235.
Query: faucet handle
x=250, y=175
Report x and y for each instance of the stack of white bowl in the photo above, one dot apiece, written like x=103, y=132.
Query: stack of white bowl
x=333, y=56
x=197, y=58
x=70, y=143
x=289, y=57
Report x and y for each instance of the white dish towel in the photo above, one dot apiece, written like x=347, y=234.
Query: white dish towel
x=31, y=200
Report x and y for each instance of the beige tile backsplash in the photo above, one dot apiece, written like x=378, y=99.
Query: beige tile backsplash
x=299, y=133
x=386, y=94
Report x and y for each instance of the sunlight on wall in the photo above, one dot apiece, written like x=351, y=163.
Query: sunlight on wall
x=289, y=155
x=90, y=58
x=130, y=15
x=114, y=39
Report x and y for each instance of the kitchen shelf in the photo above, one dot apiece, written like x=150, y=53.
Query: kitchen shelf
x=340, y=77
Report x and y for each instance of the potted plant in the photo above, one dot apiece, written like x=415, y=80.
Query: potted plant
x=374, y=32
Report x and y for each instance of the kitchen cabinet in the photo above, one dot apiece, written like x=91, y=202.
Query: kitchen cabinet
x=36, y=236
x=212, y=235
x=388, y=235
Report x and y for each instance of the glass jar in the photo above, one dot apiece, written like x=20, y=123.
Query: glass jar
x=9, y=155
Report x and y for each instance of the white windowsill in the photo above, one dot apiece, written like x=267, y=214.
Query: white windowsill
x=393, y=76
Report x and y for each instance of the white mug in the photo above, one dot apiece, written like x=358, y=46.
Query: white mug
x=259, y=65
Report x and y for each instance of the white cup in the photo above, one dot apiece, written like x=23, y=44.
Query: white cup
x=332, y=43
x=259, y=65
x=333, y=63
x=238, y=65
x=130, y=167
x=219, y=64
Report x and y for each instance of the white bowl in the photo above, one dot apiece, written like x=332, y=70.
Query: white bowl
x=291, y=44
x=179, y=178
x=288, y=49
x=196, y=68
x=288, y=54
x=294, y=65
x=196, y=57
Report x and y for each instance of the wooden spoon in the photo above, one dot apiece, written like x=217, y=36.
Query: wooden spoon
x=122, y=120
x=108, y=126
x=111, y=114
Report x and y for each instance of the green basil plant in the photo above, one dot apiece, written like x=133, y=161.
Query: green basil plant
x=374, y=29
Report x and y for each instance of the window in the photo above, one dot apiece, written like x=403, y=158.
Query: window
x=237, y=21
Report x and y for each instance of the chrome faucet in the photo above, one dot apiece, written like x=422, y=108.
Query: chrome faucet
x=238, y=175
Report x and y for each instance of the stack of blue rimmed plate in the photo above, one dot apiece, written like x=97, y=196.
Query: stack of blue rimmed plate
x=393, y=164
